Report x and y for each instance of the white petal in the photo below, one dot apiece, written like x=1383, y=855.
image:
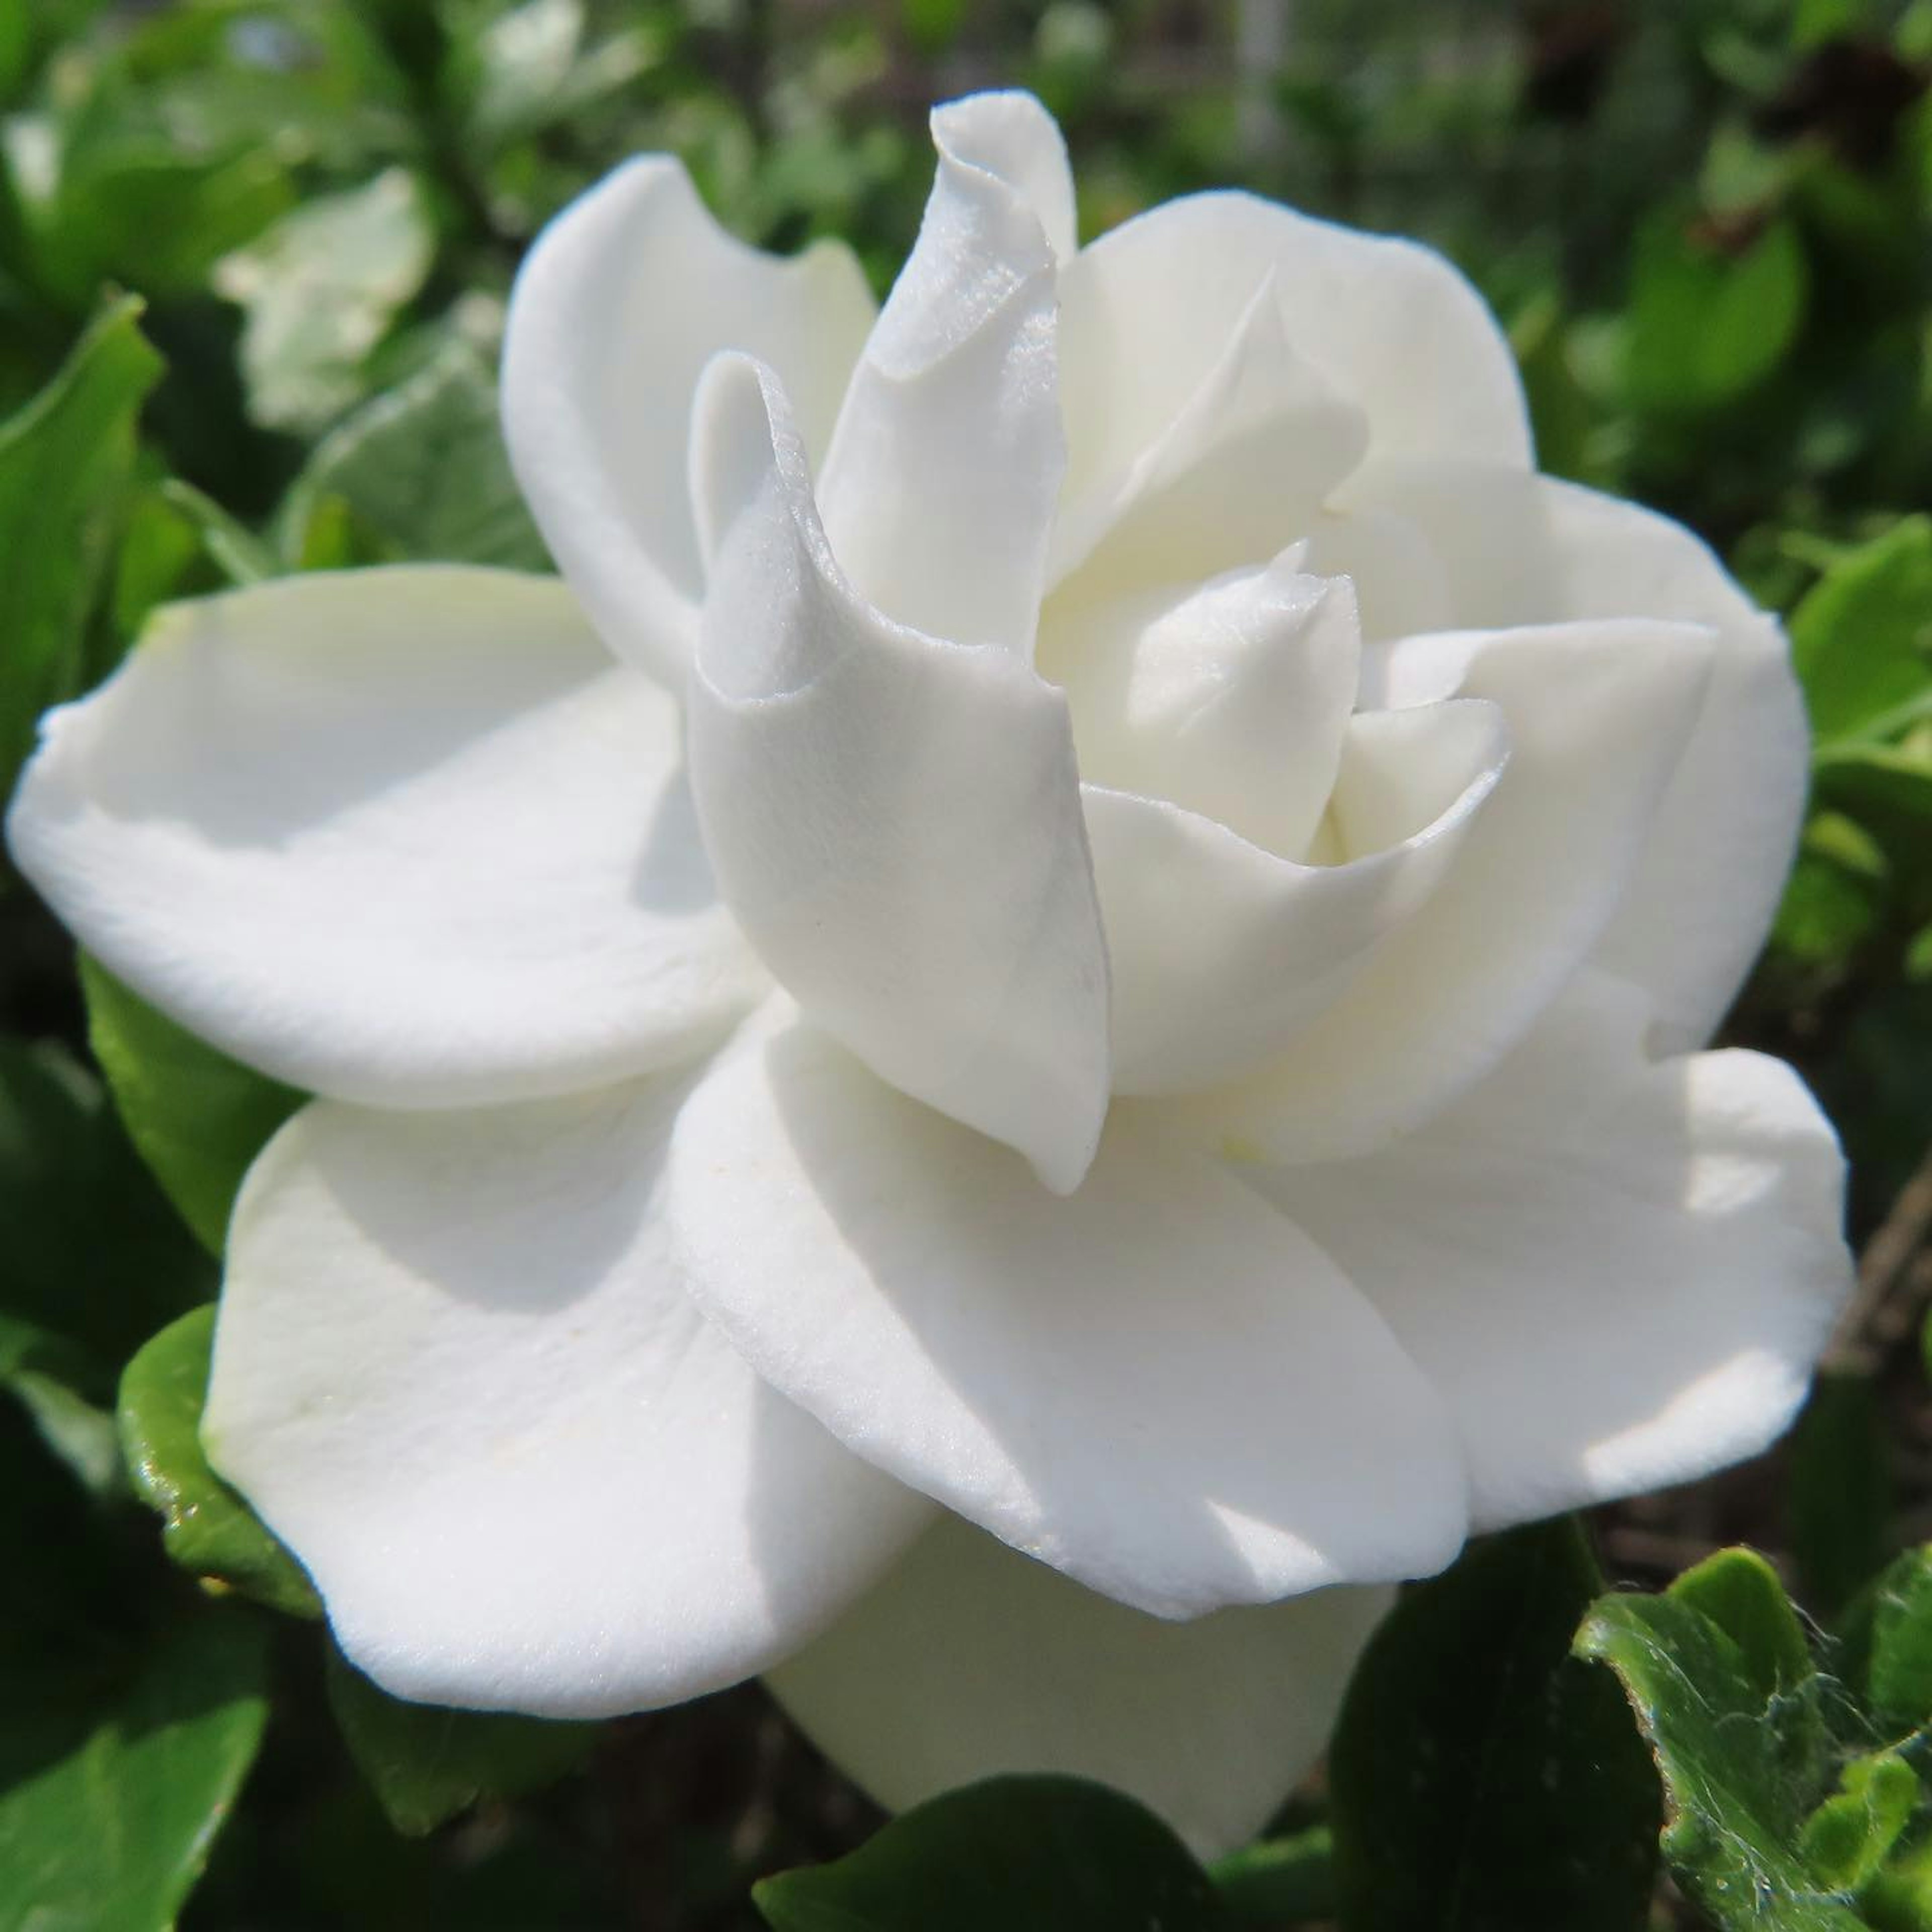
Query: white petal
x=968, y=1661
x=1524, y=549
x=1231, y=698
x=1598, y=714
x=895, y=821
x=454, y=1373
x=1155, y=1385
x=625, y=298
x=1149, y=309
x=1221, y=953
x=1242, y=469
x=403, y=836
x=1620, y=1274
x=938, y=492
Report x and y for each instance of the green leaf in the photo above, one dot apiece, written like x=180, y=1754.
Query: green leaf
x=113, y=1787
x=422, y=473
x=93, y=1260
x=1711, y=1671
x=1862, y=640
x=198, y=1118
x=1280, y=1881
x=1709, y=319
x=65, y=462
x=319, y=290
x=427, y=1763
x=1481, y=1778
x=1840, y=1501
x=207, y=1528
x=1022, y=1854
x=1846, y=1840
x=1885, y=1651
x=242, y=557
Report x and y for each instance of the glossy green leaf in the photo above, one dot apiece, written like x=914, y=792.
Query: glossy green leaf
x=423, y=475
x=1035, y=1854
x=1480, y=1777
x=114, y=1783
x=65, y=462
x=1862, y=638
x=208, y=1528
x=198, y=1117
x=1713, y=1674
x=319, y=290
x=426, y=1763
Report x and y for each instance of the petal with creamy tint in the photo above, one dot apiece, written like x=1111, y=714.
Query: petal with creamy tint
x=455, y=1372
x=405, y=836
x=1528, y=549
x=969, y=1660
x=1618, y=1272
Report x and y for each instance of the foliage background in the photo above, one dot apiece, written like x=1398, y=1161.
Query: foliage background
x=1708, y=227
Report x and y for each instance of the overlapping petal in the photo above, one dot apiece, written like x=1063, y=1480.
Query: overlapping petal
x=1526, y=549
x=404, y=836
x=938, y=490
x=894, y=819
x=623, y=300
x=1144, y=1384
x=455, y=1372
x=1598, y=716
x=1619, y=1272
x=1223, y=953
x=969, y=1660
x=1148, y=311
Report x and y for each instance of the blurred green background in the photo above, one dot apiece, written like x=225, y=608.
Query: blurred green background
x=1707, y=227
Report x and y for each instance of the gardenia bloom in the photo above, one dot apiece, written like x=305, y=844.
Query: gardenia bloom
x=1080, y=930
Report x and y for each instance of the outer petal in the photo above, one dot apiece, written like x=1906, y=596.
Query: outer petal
x=1148, y=309
x=454, y=1373
x=405, y=836
x=939, y=488
x=1223, y=953
x=896, y=820
x=1598, y=714
x=1619, y=1272
x=969, y=1660
x=1526, y=549
x=626, y=297
x=1158, y=1386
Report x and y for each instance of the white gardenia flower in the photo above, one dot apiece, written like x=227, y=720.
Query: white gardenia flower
x=1081, y=929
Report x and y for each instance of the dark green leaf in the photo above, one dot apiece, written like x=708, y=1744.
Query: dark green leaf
x=198, y=1117
x=208, y=1528
x=94, y=1261
x=112, y=1788
x=427, y=1763
x=1708, y=1670
x=1480, y=1777
x=1862, y=638
x=423, y=473
x=1022, y=1854
x=1841, y=1493
x=65, y=461
x=1884, y=1652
